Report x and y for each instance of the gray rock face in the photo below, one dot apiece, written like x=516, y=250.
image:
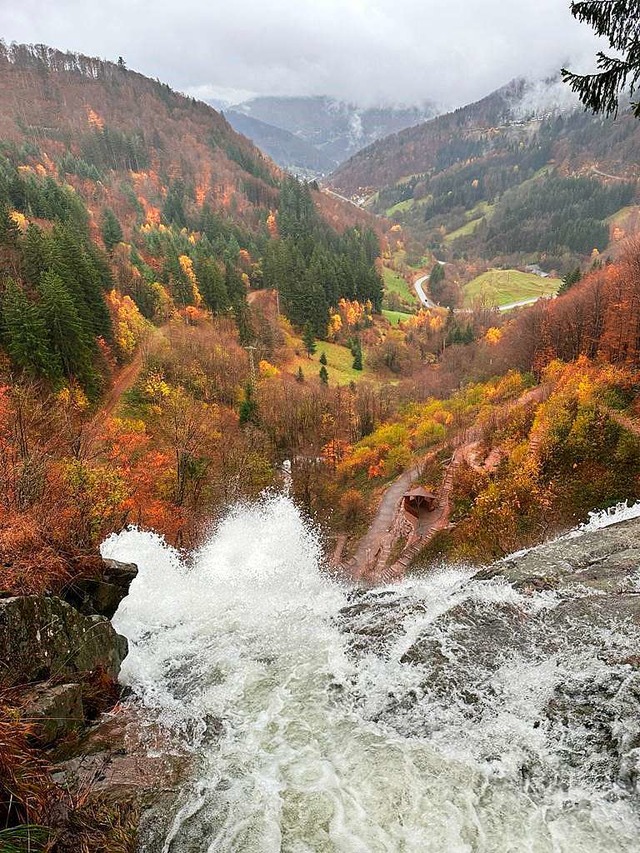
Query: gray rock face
x=103, y=595
x=606, y=561
x=532, y=663
x=43, y=637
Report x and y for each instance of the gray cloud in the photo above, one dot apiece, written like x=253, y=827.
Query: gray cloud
x=366, y=51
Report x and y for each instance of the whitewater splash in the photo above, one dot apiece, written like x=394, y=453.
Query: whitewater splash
x=325, y=719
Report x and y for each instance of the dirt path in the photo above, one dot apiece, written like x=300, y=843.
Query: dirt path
x=370, y=561
x=370, y=546
x=124, y=380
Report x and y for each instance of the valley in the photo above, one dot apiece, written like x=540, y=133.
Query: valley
x=319, y=469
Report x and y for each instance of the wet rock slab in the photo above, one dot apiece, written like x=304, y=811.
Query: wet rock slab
x=606, y=561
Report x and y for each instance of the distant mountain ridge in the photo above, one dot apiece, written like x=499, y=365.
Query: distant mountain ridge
x=335, y=129
x=521, y=177
x=286, y=149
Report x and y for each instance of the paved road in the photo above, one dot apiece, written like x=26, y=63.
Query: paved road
x=511, y=305
x=418, y=286
x=341, y=197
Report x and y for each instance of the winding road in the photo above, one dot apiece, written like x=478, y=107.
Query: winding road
x=418, y=286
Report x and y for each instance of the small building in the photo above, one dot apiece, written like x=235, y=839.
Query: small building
x=418, y=501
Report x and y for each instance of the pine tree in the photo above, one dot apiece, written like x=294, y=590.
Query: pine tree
x=110, y=230
x=436, y=282
x=323, y=374
x=300, y=375
x=8, y=229
x=323, y=358
x=24, y=334
x=64, y=326
x=617, y=21
x=249, y=407
x=309, y=339
x=569, y=280
x=356, y=351
x=211, y=284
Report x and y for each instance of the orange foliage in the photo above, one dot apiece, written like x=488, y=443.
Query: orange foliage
x=94, y=119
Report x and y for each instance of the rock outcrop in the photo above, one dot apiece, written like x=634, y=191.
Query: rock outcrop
x=43, y=637
x=549, y=638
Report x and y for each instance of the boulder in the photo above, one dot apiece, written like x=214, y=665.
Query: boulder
x=102, y=595
x=43, y=637
x=54, y=711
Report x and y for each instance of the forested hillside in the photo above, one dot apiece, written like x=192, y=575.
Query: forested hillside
x=503, y=182
x=113, y=187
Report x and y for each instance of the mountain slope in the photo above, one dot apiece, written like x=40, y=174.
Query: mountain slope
x=122, y=200
x=287, y=150
x=509, y=178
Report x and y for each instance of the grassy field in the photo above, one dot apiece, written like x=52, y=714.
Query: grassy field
x=502, y=287
x=395, y=317
x=394, y=283
x=464, y=231
x=400, y=207
x=339, y=364
x=482, y=211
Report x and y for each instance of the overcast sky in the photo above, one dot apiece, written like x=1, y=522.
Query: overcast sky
x=365, y=51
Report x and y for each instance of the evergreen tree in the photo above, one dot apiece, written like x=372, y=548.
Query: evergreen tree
x=110, y=230
x=249, y=407
x=8, y=229
x=617, y=21
x=356, y=351
x=300, y=375
x=323, y=358
x=66, y=334
x=569, y=280
x=24, y=334
x=436, y=282
x=309, y=339
x=237, y=294
x=212, y=284
x=173, y=207
x=324, y=376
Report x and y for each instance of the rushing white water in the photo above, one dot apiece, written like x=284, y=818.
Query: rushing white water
x=319, y=727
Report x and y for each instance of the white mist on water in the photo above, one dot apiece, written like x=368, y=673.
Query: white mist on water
x=241, y=650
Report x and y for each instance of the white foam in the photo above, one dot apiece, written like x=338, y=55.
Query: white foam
x=310, y=758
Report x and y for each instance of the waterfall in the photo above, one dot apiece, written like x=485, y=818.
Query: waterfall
x=328, y=719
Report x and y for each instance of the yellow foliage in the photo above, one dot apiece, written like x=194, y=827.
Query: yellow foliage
x=156, y=387
x=335, y=325
x=128, y=323
x=20, y=220
x=493, y=335
x=186, y=265
x=268, y=370
x=72, y=396
x=94, y=119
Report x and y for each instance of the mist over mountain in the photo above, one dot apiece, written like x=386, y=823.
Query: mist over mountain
x=334, y=128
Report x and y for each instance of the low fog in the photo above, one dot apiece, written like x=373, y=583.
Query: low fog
x=367, y=52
